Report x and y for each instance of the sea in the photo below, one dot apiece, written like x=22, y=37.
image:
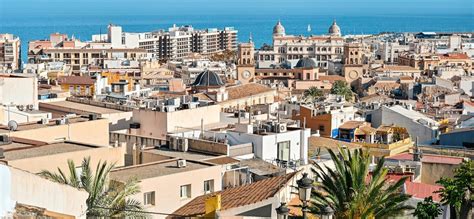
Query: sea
x=259, y=26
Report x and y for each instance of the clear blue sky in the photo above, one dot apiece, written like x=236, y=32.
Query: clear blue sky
x=286, y=7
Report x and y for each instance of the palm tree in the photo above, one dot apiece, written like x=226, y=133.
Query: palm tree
x=313, y=94
x=106, y=199
x=352, y=192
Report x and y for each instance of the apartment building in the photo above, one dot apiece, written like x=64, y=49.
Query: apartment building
x=180, y=42
x=9, y=52
x=290, y=48
x=79, y=55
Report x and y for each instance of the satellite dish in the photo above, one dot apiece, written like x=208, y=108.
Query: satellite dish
x=12, y=125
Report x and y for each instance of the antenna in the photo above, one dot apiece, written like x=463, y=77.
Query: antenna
x=12, y=125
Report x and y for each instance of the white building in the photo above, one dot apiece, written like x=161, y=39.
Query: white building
x=418, y=125
x=19, y=99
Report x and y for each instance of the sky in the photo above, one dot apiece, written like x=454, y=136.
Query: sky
x=244, y=7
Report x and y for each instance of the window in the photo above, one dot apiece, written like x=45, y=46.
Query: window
x=185, y=191
x=149, y=198
x=208, y=186
x=283, y=151
x=321, y=128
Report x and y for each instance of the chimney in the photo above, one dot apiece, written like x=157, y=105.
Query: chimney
x=212, y=205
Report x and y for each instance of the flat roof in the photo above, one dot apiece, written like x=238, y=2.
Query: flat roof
x=17, y=151
x=35, y=125
x=156, y=169
x=73, y=106
x=188, y=155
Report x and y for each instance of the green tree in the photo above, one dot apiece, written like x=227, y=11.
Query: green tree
x=106, y=199
x=427, y=209
x=458, y=192
x=352, y=192
x=342, y=88
x=313, y=94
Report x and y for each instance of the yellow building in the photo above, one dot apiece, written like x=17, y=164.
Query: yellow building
x=115, y=77
x=78, y=85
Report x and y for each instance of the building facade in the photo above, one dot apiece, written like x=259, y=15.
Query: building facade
x=180, y=42
x=9, y=52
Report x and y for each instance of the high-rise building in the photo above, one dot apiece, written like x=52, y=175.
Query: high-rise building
x=9, y=52
x=290, y=48
x=180, y=42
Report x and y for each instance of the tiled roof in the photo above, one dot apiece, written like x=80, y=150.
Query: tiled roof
x=246, y=90
x=429, y=158
x=238, y=196
x=331, y=78
x=351, y=124
x=454, y=56
x=422, y=190
x=79, y=80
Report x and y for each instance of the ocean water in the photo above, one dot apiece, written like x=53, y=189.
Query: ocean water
x=260, y=25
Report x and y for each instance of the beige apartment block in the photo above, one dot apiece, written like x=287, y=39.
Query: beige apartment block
x=80, y=129
x=165, y=186
x=159, y=124
x=35, y=156
x=10, y=47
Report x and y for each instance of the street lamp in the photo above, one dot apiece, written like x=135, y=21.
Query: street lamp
x=326, y=213
x=304, y=190
x=282, y=211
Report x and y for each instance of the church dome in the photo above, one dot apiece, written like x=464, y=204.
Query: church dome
x=208, y=79
x=278, y=29
x=334, y=30
x=306, y=63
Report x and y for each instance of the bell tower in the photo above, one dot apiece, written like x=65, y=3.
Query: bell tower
x=353, y=66
x=246, y=62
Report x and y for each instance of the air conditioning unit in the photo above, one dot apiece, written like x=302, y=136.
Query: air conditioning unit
x=281, y=127
x=183, y=144
x=173, y=143
x=181, y=163
x=169, y=108
x=44, y=121
x=1, y=153
x=4, y=139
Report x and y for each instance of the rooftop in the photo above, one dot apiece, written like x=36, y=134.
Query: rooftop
x=246, y=90
x=429, y=158
x=155, y=169
x=35, y=125
x=238, y=196
x=70, y=106
x=17, y=151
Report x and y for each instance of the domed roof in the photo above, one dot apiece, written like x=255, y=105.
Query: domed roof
x=209, y=79
x=334, y=30
x=306, y=63
x=278, y=29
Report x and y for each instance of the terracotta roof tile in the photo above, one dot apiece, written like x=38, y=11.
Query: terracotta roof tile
x=80, y=80
x=238, y=196
x=422, y=190
x=246, y=90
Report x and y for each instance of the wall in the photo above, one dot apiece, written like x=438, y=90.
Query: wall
x=19, y=90
x=432, y=172
x=54, y=161
x=158, y=124
x=94, y=132
x=30, y=189
x=315, y=122
x=457, y=138
x=208, y=146
x=386, y=116
x=167, y=188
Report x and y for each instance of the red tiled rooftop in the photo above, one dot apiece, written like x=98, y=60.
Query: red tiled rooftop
x=238, y=196
x=429, y=158
x=454, y=56
x=422, y=190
